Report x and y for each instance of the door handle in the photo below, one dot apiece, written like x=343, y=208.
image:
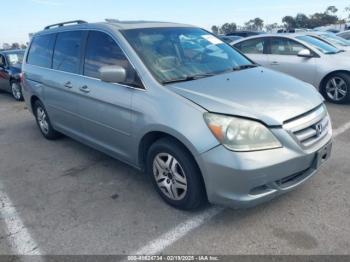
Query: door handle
x=84, y=89
x=275, y=63
x=68, y=84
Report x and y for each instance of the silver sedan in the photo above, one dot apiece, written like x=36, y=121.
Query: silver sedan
x=304, y=57
x=332, y=39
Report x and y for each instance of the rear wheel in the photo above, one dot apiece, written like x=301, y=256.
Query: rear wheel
x=336, y=88
x=16, y=90
x=43, y=122
x=175, y=175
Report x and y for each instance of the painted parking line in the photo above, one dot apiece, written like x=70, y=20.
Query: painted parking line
x=17, y=235
x=341, y=129
x=157, y=245
x=165, y=240
x=23, y=244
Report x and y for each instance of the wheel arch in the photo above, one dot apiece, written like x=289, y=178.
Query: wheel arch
x=151, y=137
x=331, y=73
x=33, y=99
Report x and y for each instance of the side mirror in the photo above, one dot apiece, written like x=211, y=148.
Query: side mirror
x=113, y=74
x=305, y=53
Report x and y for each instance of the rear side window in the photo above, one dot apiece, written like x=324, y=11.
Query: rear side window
x=102, y=50
x=253, y=46
x=67, y=52
x=41, y=49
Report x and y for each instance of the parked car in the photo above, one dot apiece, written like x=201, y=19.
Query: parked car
x=292, y=30
x=229, y=39
x=332, y=39
x=304, y=57
x=10, y=70
x=203, y=123
x=345, y=34
x=244, y=33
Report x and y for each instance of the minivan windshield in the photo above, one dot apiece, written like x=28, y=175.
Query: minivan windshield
x=184, y=54
x=319, y=44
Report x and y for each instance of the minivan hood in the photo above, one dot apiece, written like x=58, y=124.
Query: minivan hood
x=257, y=93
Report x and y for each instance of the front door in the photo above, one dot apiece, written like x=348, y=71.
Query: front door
x=105, y=108
x=283, y=57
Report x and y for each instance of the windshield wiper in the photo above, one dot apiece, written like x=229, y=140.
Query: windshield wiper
x=187, y=78
x=242, y=67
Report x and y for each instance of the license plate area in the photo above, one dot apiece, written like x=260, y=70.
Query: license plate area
x=323, y=155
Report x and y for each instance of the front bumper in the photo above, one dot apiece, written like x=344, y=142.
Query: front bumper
x=242, y=180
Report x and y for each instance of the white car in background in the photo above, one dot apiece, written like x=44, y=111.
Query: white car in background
x=344, y=34
x=332, y=39
x=304, y=57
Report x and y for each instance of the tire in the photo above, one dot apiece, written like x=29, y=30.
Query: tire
x=336, y=88
x=16, y=91
x=43, y=122
x=180, y=182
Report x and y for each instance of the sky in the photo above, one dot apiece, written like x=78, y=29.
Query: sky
x=26, y=16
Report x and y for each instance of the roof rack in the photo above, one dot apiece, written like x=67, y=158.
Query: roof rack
x=65, y=23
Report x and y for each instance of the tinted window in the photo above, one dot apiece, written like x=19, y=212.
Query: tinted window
x=253, y=46
x=41, y=49
x=67, y=51
x=102, y=50
x=284, y=46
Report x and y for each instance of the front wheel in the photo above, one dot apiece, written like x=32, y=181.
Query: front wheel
x=16, y=90
x=175, y=175
x=336, y=88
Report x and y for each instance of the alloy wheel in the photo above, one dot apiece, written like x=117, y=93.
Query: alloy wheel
x=16, y=91
x=42, y=120
x=336, y=88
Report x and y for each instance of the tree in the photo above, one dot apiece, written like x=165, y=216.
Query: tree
x=331, y=10
x=15, y=46
x=23, y=46
x=228, y=28
x=289, y=22
x=301, y=21
x=347, y=9
x=6, y=46
x=271, y=27
x=215, y=29
x=255, y=24
x=258, y=24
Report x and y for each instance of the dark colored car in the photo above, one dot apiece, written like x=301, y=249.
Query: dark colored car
x=229, y=39
x=244, y=33
x=10, y=70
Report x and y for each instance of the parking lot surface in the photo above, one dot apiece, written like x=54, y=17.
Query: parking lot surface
x=61, y=197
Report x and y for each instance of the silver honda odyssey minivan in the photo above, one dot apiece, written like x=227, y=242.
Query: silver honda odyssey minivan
x=201, y=119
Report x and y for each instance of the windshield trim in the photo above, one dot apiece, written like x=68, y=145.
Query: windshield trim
x=124, y=31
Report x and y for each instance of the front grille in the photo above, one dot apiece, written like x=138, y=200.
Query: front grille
x=310, y=128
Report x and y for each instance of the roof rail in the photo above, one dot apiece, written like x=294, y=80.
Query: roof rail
x=65, y=23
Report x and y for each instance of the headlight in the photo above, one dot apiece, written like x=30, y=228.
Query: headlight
x=240, y=134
